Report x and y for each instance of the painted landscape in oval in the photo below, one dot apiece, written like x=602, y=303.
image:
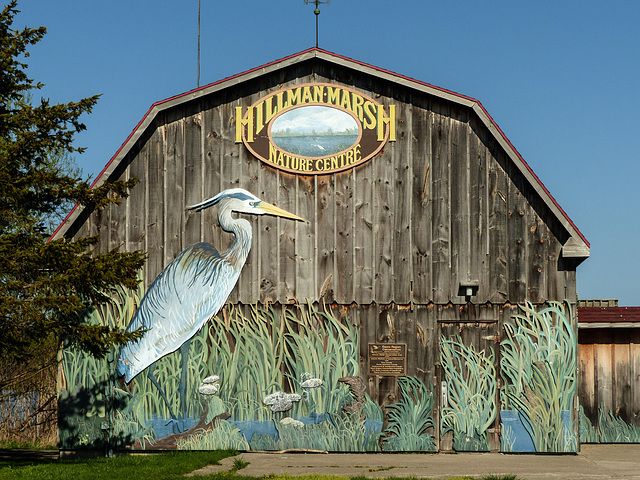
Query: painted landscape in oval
x=315, y=131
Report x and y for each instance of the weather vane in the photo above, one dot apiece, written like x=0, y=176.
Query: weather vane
x=317, y=3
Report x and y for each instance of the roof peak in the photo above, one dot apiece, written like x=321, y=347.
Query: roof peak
x=577, y=247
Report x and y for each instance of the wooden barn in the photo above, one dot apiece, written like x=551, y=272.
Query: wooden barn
x=426, y=302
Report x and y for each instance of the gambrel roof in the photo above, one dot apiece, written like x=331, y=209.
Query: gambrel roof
x=576, y=247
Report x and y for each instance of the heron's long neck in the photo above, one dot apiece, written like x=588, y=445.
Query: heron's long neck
x=241, y=228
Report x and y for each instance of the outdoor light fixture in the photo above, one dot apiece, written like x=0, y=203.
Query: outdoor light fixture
x=468, y=289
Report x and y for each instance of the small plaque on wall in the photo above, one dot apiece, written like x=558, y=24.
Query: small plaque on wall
x=388, y=359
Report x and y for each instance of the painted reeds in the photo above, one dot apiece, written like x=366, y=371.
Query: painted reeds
x=338, y=433
x=614, y=429
x=319, y=345
x=265, y=352
x=223, y=437
x=411, y=419
x=471, y=394
x=588, y=433
x=538, y=365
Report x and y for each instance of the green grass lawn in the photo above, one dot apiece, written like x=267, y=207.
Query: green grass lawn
x=160, y=466
x=163, y=466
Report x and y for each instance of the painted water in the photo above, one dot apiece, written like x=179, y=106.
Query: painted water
x=315, y=145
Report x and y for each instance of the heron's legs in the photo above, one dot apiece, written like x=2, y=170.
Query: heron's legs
x=153, y=379
x=182, y=386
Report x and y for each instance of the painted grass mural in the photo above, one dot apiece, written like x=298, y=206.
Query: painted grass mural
x=471, y=394
x=282, y=377
x=411, y=420
x=610, y=429
x=538, y=366
x=242, y=372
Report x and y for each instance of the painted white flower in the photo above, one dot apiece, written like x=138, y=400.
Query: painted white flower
x=280, y=401
x=210, y=385
x=290, y=421
x=211, y=379
x=208, y=389
x=311, y=383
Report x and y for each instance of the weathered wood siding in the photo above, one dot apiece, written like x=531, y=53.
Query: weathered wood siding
x=610, y=373
x=439, y=207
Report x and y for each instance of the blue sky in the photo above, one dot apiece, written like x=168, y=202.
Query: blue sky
x=560, y=78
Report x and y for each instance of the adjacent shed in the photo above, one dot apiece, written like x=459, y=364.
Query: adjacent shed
x=609, y=350
x=434, y=270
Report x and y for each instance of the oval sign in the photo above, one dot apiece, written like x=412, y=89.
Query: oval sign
x=314, y=129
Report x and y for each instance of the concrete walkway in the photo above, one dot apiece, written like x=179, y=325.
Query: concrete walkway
x=594, y=462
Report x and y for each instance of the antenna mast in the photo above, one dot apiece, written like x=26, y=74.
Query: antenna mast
x=198, y=81
x=317, y=3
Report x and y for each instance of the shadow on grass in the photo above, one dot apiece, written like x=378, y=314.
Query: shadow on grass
x=18, y=457
x=158, y=466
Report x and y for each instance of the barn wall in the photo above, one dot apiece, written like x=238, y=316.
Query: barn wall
x=439, y=207
x=386, y=245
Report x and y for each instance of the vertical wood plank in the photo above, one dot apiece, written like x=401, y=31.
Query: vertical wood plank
x=538, y=241
x=137, y=202
x=570, y=292
x=246, y=171
x=174, y=187
x=155, y=204
x=517, y=236
x=383, y=194
x=441, y=209
x=622, y=385
x=307, y=283
x=118, y=219
x=386, y=330
x=586, y=390
x=363, y=235
x=634, y=375
x=367, y=318
x=286, y=236
x=604, y=374
x=555, y=278
x=422, y=191
x=344, y=244
x=402, y=207
x=498, y=239
x=103, y=227
x=460, y=206
x=267, y=248
x=193, y=177
x=232, y=168
x=255, y=177
x=251, y=272
x=211, y=176
x=263, y=280
x=325, y=238
x=478, y=247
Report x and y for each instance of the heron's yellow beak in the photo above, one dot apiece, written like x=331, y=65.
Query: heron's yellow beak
x=278, y=212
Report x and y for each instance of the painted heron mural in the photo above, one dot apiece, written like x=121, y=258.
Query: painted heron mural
x=191, y=290
x=277, y=380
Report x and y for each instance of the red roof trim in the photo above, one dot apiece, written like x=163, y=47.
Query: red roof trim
x=608, y=314
x=389, y=72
